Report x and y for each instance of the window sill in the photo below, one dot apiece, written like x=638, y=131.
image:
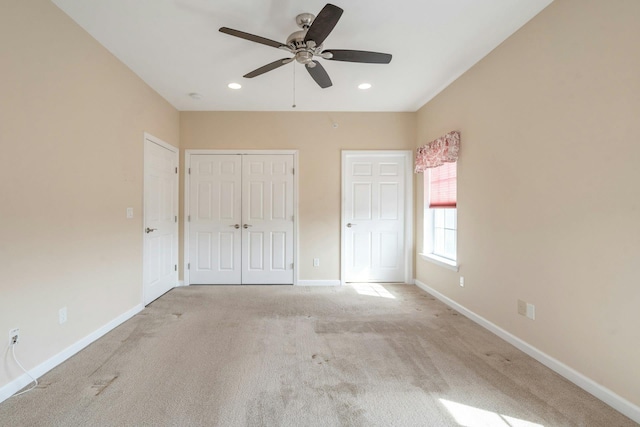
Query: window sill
x=442, y=262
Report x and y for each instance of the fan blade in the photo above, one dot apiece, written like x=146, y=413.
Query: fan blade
x=358, y=56
x=268, y=67
x=319, y=75
x=323, y=24
x=251, y=37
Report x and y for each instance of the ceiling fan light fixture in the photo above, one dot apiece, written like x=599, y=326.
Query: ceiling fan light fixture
x=195, y=95
x=234, y=86
x=364, y=86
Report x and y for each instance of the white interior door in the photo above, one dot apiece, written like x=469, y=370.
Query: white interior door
x=267, y=235
x=214, y=219
x=240, y=219
x=160, y=269
x=374, y=217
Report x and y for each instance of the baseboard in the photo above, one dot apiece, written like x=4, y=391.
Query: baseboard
x=607, y=396
x=319, y=283
x=12, y=387
x=180, y=283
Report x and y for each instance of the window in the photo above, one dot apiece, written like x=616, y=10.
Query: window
x=440, y=215
x=444, y=233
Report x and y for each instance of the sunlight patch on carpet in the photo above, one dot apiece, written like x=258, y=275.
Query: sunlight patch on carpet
x=468, y=416
x=372, y=290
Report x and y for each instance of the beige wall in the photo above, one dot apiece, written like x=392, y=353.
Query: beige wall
x=72, y=119
x=319, y=145
x=548, y=187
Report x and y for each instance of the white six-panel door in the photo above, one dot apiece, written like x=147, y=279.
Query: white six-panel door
x=374, y=217
x=215, y=215
x=241, y=219
x=267, y=204
x=160, y=259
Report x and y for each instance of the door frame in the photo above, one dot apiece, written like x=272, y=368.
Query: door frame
x=187, y=169
x=176, y=231
x=408, y=216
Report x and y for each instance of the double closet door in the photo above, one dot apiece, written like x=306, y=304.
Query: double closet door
x=240, y=219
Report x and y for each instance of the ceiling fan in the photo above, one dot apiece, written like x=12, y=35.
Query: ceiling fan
x=307, y=43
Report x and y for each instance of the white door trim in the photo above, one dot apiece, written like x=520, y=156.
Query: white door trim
x=176, y=152
x=187, y=166
x=408, y=158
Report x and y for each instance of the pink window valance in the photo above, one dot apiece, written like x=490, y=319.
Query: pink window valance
x=442, y=150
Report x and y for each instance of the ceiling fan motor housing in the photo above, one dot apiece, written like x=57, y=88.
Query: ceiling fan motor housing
x=303, y=51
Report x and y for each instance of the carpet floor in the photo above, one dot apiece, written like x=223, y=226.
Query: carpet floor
x=364, y=355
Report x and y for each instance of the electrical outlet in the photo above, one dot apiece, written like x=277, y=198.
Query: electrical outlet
x=316, y=262
x=62, y=315
x=522, y=308
x=462, y=281
x=129, y=213
x=531, y=311
x=14, y=336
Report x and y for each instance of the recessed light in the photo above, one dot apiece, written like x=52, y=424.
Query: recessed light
x=364, y=86
x=195, y=95
x=234, y=85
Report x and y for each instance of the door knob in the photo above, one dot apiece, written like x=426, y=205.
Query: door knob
x=149, y=230
x=349, y=225
x=246, y=226
x=236, y=226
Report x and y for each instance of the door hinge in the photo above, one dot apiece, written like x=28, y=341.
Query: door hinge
x=176, y=218
x=189, y=218
x=292, y=266
x=293, y=171
x=189, y=266
x=189, y=171
x=175, y=267
x=176, y=169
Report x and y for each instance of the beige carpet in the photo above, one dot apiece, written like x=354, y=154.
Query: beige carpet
x=296, y=356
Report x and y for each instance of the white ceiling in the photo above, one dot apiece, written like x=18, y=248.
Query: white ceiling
x=175, y=46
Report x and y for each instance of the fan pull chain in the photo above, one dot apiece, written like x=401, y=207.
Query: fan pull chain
x=294, y=86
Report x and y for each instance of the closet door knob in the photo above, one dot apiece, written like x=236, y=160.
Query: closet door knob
x=246, y=226
x=236, y=226
x=149, y=230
